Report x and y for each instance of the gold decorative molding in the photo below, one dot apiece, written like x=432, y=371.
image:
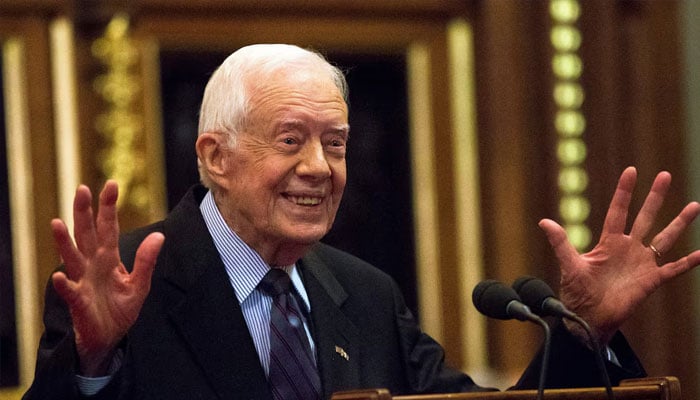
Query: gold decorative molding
x=470, y=263
x=424, y=200
x=123, y=158
x=424, y=158
x=569, y=121
x=22, y=213
x=65, y=106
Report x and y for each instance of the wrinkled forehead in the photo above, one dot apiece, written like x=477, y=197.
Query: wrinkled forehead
x=294, y=72
x=307, y=80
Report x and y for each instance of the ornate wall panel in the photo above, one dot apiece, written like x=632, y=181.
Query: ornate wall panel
x=28, y=190
x=468, y=204
x=635, y=112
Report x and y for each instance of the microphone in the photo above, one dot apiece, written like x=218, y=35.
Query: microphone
x=540, y=298
x=537, y=295
x=496, y=300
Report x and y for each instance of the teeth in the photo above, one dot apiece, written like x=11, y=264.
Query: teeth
x=306, y=201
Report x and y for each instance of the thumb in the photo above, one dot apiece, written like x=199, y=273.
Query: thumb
x=563, y=249
x=65, y=288
x=145, y=261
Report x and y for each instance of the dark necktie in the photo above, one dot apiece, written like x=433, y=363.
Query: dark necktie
x=293, y=373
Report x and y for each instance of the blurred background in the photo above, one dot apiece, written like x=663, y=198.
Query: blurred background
x=471, y=120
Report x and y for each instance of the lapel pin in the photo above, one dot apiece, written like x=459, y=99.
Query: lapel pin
x=342, y=353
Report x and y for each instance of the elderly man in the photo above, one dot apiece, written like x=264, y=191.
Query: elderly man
x=184, y=308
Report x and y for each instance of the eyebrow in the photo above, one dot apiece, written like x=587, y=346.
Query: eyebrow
x=291, y=124
x=343, y=129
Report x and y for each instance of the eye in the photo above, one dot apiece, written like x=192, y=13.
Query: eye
x=336, y=140
x=336, y=145
x=288, y=143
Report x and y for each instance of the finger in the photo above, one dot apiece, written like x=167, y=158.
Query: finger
x=665, y=239
x=671, y=270
x=647, y=214
x=84, y=225
x=107, y=222
x=145, y=261
x=616, y=218
x=72, y=259
x=564, y=251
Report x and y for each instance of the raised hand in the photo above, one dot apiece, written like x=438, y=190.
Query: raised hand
x=605, y=285
x=104, y=299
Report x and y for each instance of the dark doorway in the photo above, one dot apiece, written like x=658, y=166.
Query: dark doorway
x=375, y=221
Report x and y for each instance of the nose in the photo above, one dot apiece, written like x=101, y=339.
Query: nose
x=313, y=162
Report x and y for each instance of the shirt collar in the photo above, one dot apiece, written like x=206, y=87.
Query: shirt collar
x=244, y=266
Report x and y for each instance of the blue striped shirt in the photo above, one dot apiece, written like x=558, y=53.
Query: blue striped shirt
x=245, y=269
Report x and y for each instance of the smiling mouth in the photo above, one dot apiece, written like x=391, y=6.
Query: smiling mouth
x=305, y=200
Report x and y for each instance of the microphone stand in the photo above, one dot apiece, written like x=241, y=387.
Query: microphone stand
x=536, y=292
x=522, y=312
x=545, y=356
x=598, y=354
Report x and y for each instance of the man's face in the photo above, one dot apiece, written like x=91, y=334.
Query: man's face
x=285, y=177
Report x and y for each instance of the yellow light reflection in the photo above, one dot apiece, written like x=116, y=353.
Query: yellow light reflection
x=565, y=38
x=573, y=180
x=564, y=10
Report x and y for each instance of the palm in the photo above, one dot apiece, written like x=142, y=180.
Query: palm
x=605, y=285
x=105, y=306
x=608, y=282
x=103, y=298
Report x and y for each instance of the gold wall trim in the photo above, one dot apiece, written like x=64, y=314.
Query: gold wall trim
x=66, y=115
x=467, y=193
x=569, y=121
x=424, y=189
x=122, y=158
x=22, y=217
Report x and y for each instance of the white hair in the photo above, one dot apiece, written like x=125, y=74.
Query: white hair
x=225, y=103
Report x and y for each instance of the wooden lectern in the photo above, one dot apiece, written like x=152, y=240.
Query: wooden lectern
x=659, y=388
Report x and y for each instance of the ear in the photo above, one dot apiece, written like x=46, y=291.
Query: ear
x=211, y=155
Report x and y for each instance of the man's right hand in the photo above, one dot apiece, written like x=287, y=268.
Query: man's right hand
x=104, y=299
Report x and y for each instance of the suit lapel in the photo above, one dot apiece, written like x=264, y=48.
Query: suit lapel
x=211, y=322
x=336, y=337
x=209, y=316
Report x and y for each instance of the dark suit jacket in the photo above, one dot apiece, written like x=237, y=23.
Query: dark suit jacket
x=191, y=341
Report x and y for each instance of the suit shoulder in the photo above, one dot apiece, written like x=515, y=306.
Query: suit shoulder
x=345, y=264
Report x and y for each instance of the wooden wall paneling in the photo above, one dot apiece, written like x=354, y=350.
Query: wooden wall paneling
x=450, y=306
x=603, y=79
x=516, y=153
x=42, y=146
x=33, y=7
x=631, y=75
x=385, y=8
x=655, y=100
x=29, y=30
x=32, y=30
x=635, y=112
x=344, y=33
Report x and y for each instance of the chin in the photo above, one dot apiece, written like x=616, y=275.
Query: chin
x=307, y=235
